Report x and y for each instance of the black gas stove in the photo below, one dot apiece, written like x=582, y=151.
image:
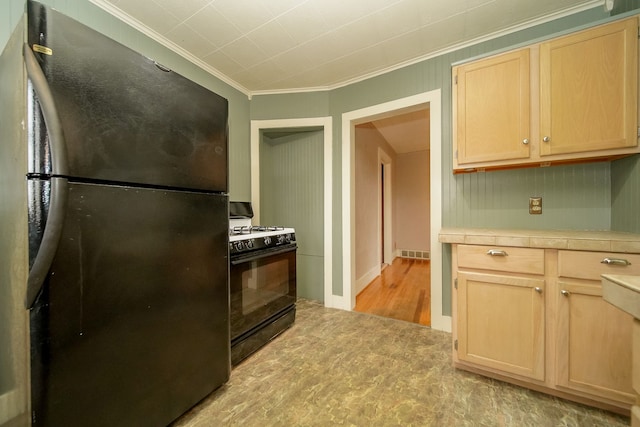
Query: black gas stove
x=262, y=281
x=245, y=237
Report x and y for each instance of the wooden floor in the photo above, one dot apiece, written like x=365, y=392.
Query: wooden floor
x=402, y=291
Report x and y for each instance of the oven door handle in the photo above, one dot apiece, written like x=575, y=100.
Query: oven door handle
x=261, y=254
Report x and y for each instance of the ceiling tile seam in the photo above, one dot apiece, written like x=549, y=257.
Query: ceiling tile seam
x=204, y=59
x=338, y=58
x=134, y=23
x=271, y=57
x=183, y=21
x=336, y=30
x=152, y=34
x=435, y=54
x=247, y=34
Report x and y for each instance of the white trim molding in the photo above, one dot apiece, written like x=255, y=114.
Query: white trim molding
x=327, y=124
x=385, y=218
x=349, y=121
x=364, y=281
x=129, y=20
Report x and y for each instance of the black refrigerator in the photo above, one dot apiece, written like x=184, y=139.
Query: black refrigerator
x=128, y=231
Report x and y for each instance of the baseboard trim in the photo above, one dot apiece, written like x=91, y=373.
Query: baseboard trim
x=363, y=281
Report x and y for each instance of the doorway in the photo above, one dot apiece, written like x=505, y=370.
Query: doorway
x=350, y=119
x=394, y=280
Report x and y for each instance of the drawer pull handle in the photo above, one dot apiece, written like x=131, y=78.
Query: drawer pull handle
x=496, y=252
x=538, y=289
x=615, y=261
x=565, y=293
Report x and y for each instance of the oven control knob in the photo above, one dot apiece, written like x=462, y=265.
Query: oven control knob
x=267, y=240
x=249, y=243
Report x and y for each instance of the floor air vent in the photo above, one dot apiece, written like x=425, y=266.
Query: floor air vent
x=415, y=254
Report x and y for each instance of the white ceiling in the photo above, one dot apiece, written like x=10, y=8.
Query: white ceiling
x=277, y=46
x=267, y=46
x=406, y=132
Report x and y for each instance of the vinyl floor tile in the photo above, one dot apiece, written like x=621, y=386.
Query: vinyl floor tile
x=339, y=368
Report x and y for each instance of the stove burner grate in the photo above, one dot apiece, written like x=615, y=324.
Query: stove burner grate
x=248, y=229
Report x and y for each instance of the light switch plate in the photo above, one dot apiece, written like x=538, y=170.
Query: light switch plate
x=535, y=205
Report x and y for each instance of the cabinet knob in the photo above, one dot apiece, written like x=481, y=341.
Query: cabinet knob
x=546, y=139
x=525, y=141
x=538, y=289
x=565, y=293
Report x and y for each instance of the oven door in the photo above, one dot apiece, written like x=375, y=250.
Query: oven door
x=263, y=285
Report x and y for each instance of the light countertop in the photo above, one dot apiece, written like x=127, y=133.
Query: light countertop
x=602, y=241
x=623, y=292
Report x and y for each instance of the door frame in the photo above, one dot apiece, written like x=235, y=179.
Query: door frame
x=313, y=122
x=385, y=222
x=349, y=120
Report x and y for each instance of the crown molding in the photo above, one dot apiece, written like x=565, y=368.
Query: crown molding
x=119, y=14
x=132, y=22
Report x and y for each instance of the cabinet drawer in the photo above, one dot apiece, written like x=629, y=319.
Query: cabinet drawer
x=590, y=265
x=509, y=259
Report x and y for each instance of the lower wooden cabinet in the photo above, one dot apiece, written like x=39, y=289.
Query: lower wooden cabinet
x=593, y=353
x=536, y=317
x=501, y=323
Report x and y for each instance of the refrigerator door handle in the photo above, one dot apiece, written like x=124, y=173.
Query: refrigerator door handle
x=49, y=112
x=50, y=239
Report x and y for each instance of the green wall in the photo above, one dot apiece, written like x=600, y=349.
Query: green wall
x=574, y=197
x=625, y=194
x=291, y=194
x=10, y=13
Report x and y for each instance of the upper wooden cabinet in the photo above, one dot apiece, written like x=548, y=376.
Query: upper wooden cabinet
x=588, y=90
x=493, y=109
x=569, y=99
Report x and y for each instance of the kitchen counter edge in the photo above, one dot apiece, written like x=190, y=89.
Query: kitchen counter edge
x=576, y=240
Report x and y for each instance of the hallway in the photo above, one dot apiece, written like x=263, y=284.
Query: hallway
x=402, y=292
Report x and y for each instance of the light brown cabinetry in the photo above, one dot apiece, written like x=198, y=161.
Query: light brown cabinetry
x=588, y=90
x=536, y=317
x=569, y=99
x=493, y=108
x=500, y=314
x=593, y=337
x=623, y=291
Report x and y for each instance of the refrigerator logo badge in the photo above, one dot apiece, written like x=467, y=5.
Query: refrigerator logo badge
x=42, y=49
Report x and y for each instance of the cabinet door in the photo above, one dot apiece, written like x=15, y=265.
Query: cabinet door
x=501, y=323
x=588, y=90
x=492, y=109
x=593, y=343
